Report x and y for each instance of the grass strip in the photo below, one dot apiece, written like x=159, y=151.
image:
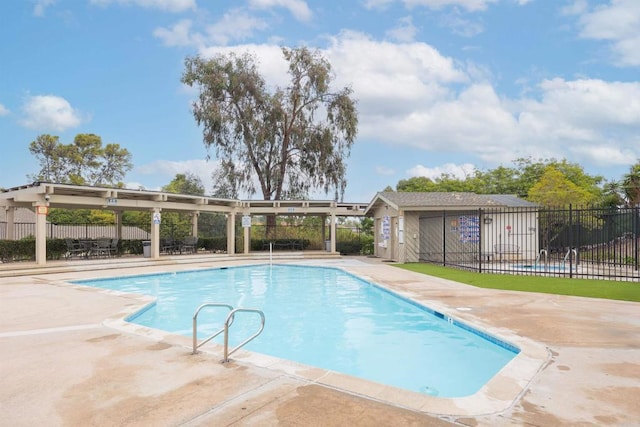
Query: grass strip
x=606, y=289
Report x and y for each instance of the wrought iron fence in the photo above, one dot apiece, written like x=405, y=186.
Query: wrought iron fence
x=580, y=243
x=350, y=240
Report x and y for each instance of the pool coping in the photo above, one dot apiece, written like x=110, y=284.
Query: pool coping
x=496, y=396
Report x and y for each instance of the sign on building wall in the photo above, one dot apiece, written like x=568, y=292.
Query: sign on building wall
x=386, y=227
x=469, y=228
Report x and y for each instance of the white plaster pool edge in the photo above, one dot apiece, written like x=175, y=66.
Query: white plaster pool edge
x=498, y=395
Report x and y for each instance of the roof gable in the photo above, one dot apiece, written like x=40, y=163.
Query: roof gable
x=443, y=200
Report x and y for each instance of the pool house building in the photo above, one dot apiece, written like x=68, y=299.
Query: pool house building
x=453, y=227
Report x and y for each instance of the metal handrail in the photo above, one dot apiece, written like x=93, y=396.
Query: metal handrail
x=228, y=322
x=539, y=257
x=195, y=324
x=568, y=255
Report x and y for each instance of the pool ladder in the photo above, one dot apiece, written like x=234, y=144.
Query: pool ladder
x=227, y=323
x=543, y=252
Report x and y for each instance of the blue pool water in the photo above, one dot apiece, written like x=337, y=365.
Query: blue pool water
x=327, y=318
x=541, y=267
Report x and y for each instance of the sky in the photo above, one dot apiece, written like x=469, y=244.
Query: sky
x=442, y=86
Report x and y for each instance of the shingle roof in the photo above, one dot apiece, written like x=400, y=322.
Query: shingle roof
x=453, y=199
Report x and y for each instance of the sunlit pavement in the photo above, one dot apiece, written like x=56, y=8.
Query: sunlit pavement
x=68, y=358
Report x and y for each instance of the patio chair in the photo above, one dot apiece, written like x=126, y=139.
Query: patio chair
x=113, y=247
x=102, y=248
x=74, y=248
x=168, y=246
x=189, y=244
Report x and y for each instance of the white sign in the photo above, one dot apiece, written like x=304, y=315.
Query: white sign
x=112, y=201
x=156, y=218
x=386, y=227
x=246, y=221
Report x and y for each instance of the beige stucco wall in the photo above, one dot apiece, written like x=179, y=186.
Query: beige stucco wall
x=385, y=243
x=403, y=243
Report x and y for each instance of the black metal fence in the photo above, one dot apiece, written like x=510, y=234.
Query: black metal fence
x=350, y=240
x=581, y=243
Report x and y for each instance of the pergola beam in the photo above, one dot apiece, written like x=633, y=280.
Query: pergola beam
x=42, y=196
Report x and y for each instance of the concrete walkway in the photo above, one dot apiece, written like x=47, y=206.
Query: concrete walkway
x=67, y=358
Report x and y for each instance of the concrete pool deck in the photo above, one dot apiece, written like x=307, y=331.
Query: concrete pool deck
x=67, y=358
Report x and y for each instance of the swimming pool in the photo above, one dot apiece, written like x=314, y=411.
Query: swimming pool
x=541, y=267
x=328, y=318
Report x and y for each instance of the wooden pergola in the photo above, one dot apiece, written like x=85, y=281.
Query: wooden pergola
x=40, y=196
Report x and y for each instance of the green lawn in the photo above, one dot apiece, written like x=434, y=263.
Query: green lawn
x=608, y=289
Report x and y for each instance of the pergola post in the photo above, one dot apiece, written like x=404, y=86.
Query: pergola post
x=155, y=233
x=333, y=231
x=118, y=224
x=10, y=225
x=324, y=230
x=231, y=233
x=194, y=223
x=247, y=238
x=41, y=233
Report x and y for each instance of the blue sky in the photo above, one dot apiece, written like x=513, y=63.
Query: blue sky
x=442, y=85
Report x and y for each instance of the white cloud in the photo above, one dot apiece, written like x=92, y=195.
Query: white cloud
x=166, y=5
x=457, y=171
x=167, y=170
x=384, y=170
x=298, y=8
x=3, y=110
x=391, y=79
x=576, y=8
x=610, y=154
x=410, y=95
x=377, y=4
x=461, y=26
x=235, y=25
x=271, y=63
x=133, y=185
x=405, y=31
x=49, y=112
x=177, y=35
x=41, y=6
x=618, y=23
x=470, y=5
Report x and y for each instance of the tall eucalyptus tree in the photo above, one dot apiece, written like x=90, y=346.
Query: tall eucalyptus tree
x=285, y=142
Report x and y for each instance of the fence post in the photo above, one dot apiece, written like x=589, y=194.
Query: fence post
x=480, y=237
x=570, y=241
x=636, y=234
x=444, y=238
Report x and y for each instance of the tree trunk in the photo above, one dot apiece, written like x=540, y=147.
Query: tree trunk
x=270, y=227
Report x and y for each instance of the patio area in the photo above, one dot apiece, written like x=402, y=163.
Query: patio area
x=69, y=359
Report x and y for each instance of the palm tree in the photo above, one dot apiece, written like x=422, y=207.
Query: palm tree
x=631, y=185
x=612, y=195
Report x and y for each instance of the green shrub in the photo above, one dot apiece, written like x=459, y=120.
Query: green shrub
x=213, y=244
x=367, y=244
